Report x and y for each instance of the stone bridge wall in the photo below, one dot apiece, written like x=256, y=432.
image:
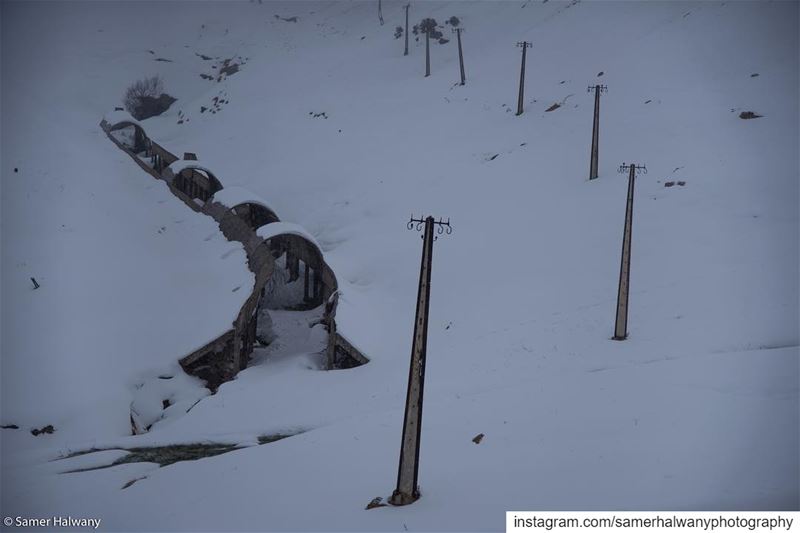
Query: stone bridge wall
x=222, y=358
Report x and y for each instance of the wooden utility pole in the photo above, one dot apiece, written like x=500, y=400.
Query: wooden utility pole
x=621, y=325
x=524, y=45
x=406, y=34
x=458, y=31
x=595, y=129
x=407, y=490
x=427, y=52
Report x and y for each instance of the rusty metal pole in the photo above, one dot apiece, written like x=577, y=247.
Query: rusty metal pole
x=427, y=52
x=595, y=130
x=458, y=31
x=621, y=325
x=525, y=45
x=405, y=53
x=407, y=490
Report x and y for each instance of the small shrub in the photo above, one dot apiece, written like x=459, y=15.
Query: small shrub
x=146, y=98
x=152, y=87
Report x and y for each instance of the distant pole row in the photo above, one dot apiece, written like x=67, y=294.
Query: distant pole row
x=407, y=489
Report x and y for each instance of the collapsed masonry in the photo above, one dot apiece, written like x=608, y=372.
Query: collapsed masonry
x=245, y=218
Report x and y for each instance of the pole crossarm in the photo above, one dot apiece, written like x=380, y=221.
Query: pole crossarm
x=525, y=44
x=639, y=169
x=601, y=88
x=442, y=225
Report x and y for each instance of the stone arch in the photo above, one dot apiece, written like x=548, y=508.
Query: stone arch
x=194, y=179
x=254, y=214
x=303, y=267
x=248, y=207
x=136, y=141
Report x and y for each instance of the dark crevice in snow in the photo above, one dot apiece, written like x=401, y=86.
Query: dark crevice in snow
x=175, y=453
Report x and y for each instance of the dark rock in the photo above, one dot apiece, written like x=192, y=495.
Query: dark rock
x=749, y=114
x=478, y=438
x=376, y=502
x=151, y=107
x=46, y=429
x=600, y=73
x=228, y=69
x=10, y=426
x=754, y=75
x=669, y=183
x=131, y=482
x=552, y=107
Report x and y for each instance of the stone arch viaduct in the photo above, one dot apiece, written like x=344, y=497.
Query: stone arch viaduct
x=245, y=218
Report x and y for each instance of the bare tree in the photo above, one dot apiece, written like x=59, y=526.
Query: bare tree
x=147, y=87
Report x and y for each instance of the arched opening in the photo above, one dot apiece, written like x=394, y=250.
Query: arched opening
x=254, y=214
x=292, y=304
x=297, y=283
x=195, y=181
x=130, y=135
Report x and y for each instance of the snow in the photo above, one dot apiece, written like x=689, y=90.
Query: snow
x=117, y=116
x=231, y=196
x=698, y=410
x=274, y=229
x=126, y=271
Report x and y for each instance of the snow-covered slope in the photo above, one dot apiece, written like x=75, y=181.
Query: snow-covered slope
x=703, y=394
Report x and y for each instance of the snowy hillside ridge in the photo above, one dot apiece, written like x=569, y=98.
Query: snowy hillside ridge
x=238, y=216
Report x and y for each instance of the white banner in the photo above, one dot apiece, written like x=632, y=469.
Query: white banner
x=664, y=521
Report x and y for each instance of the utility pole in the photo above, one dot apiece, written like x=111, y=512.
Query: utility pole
x=427, y=52
x=524, y=45
x=406, y=34
x=380, y=12
x=595, y=129
x=407, y=490
x=458, y=31
x=621, y=325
